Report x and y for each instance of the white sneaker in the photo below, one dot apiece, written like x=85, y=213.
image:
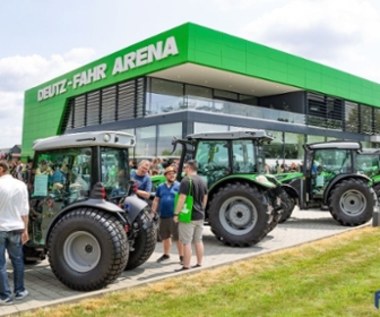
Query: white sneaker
x=21, y=295
x=6, y=301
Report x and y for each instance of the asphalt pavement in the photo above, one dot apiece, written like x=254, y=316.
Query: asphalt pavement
x=304, y=226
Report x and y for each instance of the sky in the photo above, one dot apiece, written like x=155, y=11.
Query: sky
x=42, y=39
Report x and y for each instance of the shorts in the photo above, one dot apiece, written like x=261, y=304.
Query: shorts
x=191, y=232
x=168, y=229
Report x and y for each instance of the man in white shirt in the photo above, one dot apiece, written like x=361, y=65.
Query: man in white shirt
x=14, y=213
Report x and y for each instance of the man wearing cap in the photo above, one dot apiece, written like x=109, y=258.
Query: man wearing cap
x=163, y=203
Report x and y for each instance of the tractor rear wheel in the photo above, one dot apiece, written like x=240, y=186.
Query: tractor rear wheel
x=239, y=215
x=351, y=202
x=88, y=249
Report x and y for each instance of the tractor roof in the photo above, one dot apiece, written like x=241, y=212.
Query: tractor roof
x=371, y=151
x=235, y=135
x=348, y=145
x=93, y=138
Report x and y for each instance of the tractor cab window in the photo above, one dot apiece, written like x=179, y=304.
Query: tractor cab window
x=114, y=171
x=332, y=160
x=327, y=164
x=368, y=164
x=63, y=175
x=243, y=157
x=213, y=160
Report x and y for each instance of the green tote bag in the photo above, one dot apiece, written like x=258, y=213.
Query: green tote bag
x=185, y=214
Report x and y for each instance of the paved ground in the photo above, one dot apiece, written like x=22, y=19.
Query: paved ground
x=303, y=227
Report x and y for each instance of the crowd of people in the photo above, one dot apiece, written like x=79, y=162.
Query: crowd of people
x=163, y=205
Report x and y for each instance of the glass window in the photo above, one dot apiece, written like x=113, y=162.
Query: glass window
x=248, y=100
x=333, y=160
x=225, y=95
x=166, y=132
x=145, y=141
x=243, y=157
x=285, y=152
x=200, y=127
x=213, y=160
x=294, y=145
x=114, y=171
x=351, y=117
x=64, y=176
x=366, y=119
x=274, y=151
x=164, y=96
x=198, y=91
x=368, y=164
x=199, y=98
x=327, y=163
x=376, y=119
x=315, y=138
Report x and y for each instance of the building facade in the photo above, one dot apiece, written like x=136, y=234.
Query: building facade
x=193, y=79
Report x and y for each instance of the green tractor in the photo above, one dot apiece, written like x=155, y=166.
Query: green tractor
x=243, y=204
x=331, y=179
x=76, y=184
x=368, y=162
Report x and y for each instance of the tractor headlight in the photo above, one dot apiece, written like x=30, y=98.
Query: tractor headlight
x=107, y=137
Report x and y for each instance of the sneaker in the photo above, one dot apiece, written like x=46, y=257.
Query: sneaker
x=6, y=301
x=163, y=258
x=181, y=259
x=21, y=295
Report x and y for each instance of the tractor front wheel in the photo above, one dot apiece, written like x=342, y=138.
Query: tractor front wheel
x=143, y=240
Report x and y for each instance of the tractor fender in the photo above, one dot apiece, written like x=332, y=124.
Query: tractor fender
x=133, y=205
x=260, y=180
x=290, y=190
x=99, y=204
x=338, y=179
x=262, y=184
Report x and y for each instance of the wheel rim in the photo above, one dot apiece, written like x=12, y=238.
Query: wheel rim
x=82, y=251
x=238, y=215
x=352, y=202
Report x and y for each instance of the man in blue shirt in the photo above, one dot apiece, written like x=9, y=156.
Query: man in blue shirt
x=142, y=179
x=163, y=203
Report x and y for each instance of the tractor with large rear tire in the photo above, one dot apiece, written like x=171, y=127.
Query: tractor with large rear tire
x=243, y=205
x=84, y=215
x=332, y=179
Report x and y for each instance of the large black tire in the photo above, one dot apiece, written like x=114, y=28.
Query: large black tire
x=376, y=188
x=88, y=249
x=239, y=215
x=145, y=241
x=351, y=202
x=280, y=206
x=288, y=203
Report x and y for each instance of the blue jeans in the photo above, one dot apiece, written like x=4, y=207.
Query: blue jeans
x=11, y=241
